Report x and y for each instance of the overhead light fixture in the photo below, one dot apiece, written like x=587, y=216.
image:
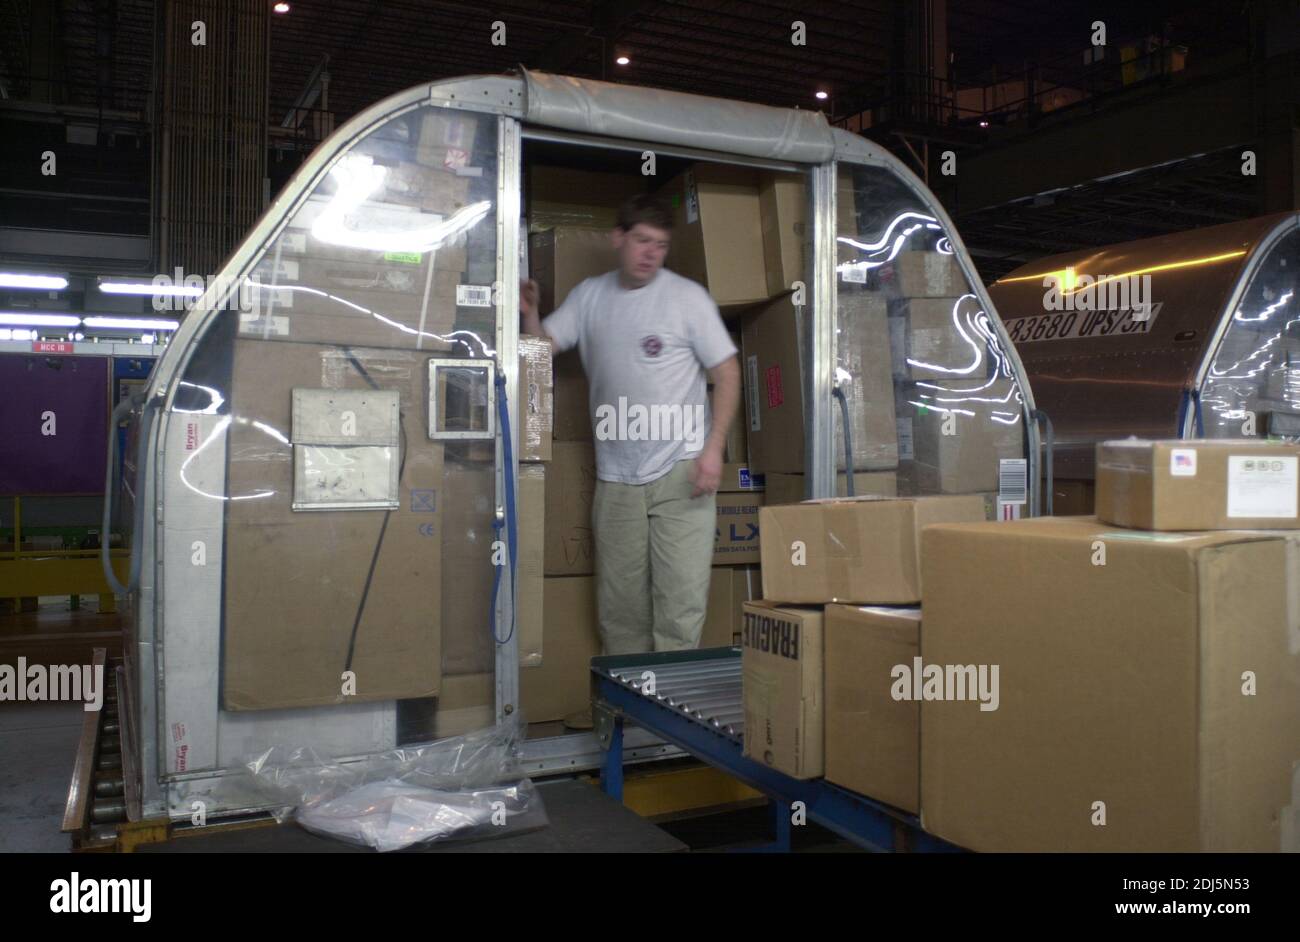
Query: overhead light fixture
x=281, y=8
x=622, y=60
x=29, y=319
x=148, y=287
x=822, y=96
x=130, y=323
x=39, y=282
x=983, y=123
x=147, y=338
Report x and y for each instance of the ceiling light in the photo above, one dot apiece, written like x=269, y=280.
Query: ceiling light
x=148, y=287
x=984, y=124
x=40, y=282
x=28, y=319
x=622, y=60
x=131, y=323
x=822, y=96
x=281, y=8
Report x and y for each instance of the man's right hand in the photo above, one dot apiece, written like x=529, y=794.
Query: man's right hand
x=529, y=293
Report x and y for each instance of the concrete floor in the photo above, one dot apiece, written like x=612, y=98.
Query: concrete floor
x=38, y=746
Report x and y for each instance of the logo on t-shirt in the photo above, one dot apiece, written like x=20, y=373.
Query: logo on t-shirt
x=652, y=346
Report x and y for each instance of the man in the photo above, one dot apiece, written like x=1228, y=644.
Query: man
x=647, y=338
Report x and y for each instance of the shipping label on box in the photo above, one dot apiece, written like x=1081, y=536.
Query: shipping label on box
x=782, y=679
x=736, y=539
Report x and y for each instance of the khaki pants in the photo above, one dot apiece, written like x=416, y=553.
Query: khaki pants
x=654, y=547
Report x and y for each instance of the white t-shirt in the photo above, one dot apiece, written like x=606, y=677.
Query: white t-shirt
x=645, y=352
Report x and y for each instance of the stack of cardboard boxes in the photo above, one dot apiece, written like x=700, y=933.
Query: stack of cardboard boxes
x=809, y=644
x=1125, y=682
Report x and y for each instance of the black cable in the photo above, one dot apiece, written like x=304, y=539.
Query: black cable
x=838, y=393
x=374, y=558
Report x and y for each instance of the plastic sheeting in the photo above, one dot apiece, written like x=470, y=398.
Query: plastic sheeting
x=653, y=114
x=466, y=786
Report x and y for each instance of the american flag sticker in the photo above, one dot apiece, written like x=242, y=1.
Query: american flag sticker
x=1182, y=462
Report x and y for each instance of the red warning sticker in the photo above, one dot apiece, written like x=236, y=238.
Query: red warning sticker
x=775, y=396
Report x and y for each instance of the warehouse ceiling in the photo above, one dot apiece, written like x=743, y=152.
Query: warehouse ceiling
x=100, y=56
x=726, y=48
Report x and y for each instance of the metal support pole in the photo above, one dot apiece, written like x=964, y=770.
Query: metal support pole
x=611, y=779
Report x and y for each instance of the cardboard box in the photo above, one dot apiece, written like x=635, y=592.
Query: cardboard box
x=936, y=339
x=536, y=409
x=781, y=663
x=571, y=485
x=774, y=398
x=736, y=478
x=846, y=214
x=296, y=580
x=856, y=549
x=466, y=703
x=717, y=232
x=864, y=354
x=960, y=431
x=562, y=685
x=790, y=488
x=730, y=587
x=783, y=216
x=873, y=741
x=430, y=189
x=442, y=129
x=1199, y=484
x=1124, y=683
x=736, y=448
x=401, y=319
x=926, y=274
x=773, y=388
x=560, y=259
x=737, y=538
x=468, y=511
x=571, y=400
x=564, y=196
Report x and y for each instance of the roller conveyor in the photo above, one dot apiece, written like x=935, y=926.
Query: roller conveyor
x=695, y=700
x=705, y=691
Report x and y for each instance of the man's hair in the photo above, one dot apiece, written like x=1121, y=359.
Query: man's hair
x=644, y=208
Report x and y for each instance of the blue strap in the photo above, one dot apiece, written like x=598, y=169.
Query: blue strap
x=511, y=521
